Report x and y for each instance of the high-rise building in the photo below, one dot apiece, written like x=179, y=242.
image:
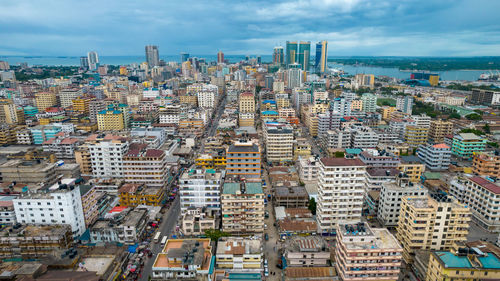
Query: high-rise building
x=66, y=96
x=432, y=222
x=304, y=55
x=481, y=196
x=369, y=102
x=438, y=129
x=106, y=154
x=243, y=158
x=247, y=102
x=84, y=63
x=110, y=120
x=145, y=166
x=44, y=100
x=152, y=56
x=294, y=76
x=200, y=188
x=436, y=157
x=486, y=164
x=291, y=53
x=93, y=60
x=404, y=104
x=242, y=207
x=278, y=138
x=364, y=81
x=184, y=57
x=220, y=57
x=321, y=56
x=278, y=55
x=340, y=192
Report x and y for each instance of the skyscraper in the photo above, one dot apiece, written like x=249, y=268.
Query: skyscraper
x=321, y=56
x=291, y=53
x=93, y=60
x=294, y=76
x=184, y=57
x=278, y=55
x=84, y=63
x=304, y=54
x=152, y=56
x=220, y=57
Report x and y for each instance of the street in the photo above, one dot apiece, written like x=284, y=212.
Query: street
x=167, y=226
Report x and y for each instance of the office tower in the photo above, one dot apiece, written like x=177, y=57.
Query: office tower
x=93, y=60
x=321, y=56
x=365, y=253
x=220, y=57
x=243, y=159
x=294, y=76
x=152, y=56
x=246, y=196
x=369, y=102
x=404, y=104
x=278, y=55
x=184, y=57
x=340, y=192
x=364, y=81
x=291, y=53
x=84, y=63
x=259, y=59
x=432, y=222
x=268, y=82
x=247, y=102
x=45, y=100
x=304, y=54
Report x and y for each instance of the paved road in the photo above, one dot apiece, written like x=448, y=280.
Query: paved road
x=167, y=227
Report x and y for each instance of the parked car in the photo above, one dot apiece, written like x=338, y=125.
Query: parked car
x=266, y=271
x=266, y=236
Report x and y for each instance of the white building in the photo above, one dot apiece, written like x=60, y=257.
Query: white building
x=308, y=168
x=404, y=104
x=24, y=137
x=342, y=106
x=278, y=138
x=363, y=137
x=200, y=188
x=391, y=197
x=369, y=102
x=106, y=155
x=66, y=96
x=150, y=93
x=481, y=196
x=61, y=205
x=166, y=118
x=337, y=138
x=436, y=157
x=340, y=192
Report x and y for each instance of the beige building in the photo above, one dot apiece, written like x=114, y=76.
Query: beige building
x=195, y=221
x=278, y=138
x=44, y=100
x=432, y=222
x=438, y=129
x=239, y=253
x=310, y=251
x=247, y=103
x=28, y=171
x=246, y=119
x=485, y=164
x=481, y=195
x=365, y=253
x=242, y=208
x=357, y=105
x=416, y=135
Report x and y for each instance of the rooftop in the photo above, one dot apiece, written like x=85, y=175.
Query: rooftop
x=329, y=161
x=244, y=188
x=238, y=246
x=489, y=185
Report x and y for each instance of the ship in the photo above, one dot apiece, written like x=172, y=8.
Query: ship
x=490, y=76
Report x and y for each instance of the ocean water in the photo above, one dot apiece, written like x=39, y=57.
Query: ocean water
x=466, y=75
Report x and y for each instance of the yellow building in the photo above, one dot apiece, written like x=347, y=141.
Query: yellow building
x=479, y=263
x=246, y=119
x=364, y=80
x=242, y=208
x=439, y=129
x=434, y=79
x=386, y=112
x=44, y=100
x=208, y=161
x=238, y=253
x=82, y=157
x=131, y=195
x=283, y=102
x=89, y=126
x=9, y=113
x=411, y=166
x=416, y=135
x=110, y=120
x=301, y=148
x=123, y=70
x=247, y=103
x=432, y=222
x=357, y=105
x=190, y=99
x=81, y=104
x=7, y=134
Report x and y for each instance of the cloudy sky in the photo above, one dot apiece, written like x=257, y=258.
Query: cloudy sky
x=352, y=27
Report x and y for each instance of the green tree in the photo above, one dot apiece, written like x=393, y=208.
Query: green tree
x=454, y=115
x=339, y=154
x=473, y=131
x=215, y=234
x=493, y=144
x=312, y=206
x=486, y=128
x=474, y=117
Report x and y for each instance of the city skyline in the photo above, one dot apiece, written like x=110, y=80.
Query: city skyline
x=351, y=27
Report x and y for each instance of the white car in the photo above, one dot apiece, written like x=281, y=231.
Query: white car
x=265, y=226
x=265, y=263
x=266, y=271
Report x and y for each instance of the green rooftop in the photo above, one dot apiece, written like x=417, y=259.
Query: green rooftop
x=250, y=187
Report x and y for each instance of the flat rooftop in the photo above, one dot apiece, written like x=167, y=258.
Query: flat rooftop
x=99, y=264
x=249, y=188
x=238, y=246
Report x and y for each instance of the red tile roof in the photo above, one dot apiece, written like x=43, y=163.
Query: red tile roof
x=493, y=187
x=154, y=153
x=330, y=161
x=441, y=145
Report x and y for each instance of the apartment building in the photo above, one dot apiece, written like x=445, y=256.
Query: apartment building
x=67, y=95
x=109, y=120
x=369, y=101
x=61, y=205
x=379, y=159
x=34, y=241
x=486, y=164
x=89, y=196
x=126, y=228
x=412, y=166
x=435, y=157
x=200, y=188
x=309, y=251
x=340, y=192
x=82, y=104
x=247, y=103
x=328, y=120
x=106, y=155
x=62, y=147
x=337, y=138
x=191, y=126
x=239, y=254
x=95, y=107
x=243, y=158
x=308, y=168
x=246, y=119
x=44, y=100
x=365, y=253
x=391, y=196
x=363, y=137
x=416, y=135
x=242, y=208
x=30, y=172
x=196, y=221
x=184, y=259
x=481, y=195
x=386, y=112
x=41, y=133
x=145, y=166
x=278, y=138
x=132, y=195
x=24, y=137
x=432, y=222
x=466, y=144
x=464, y=263
x=438, y=129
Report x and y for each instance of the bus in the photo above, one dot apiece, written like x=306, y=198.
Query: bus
x=157, y=237
x=164, y=240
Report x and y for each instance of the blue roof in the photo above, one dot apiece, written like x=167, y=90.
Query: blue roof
x=269, y=101
x=490, y=261
x=451, y=260
x=269, y=112
x=245, y=276
x=353, y=150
